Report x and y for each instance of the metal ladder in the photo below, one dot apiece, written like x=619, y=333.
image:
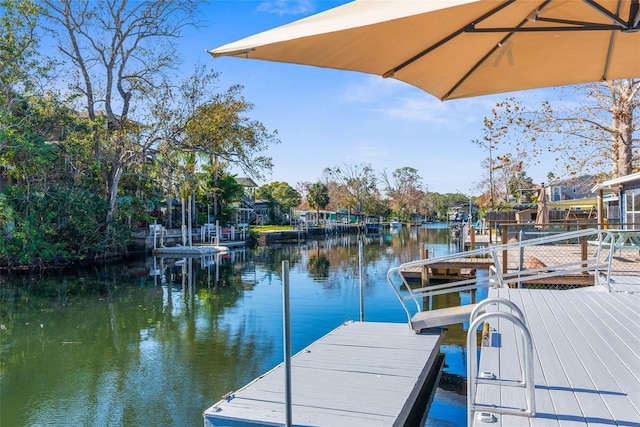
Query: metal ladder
x=526, y=381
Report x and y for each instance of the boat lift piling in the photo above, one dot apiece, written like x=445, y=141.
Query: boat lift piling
x=286, y=317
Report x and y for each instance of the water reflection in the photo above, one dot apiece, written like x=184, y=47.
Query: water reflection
x=156, y=341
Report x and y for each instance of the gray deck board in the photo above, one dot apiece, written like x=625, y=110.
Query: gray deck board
x=626, y=283
x=606, y=325
x=591, y=380
x=586, y=358
x=360, y=374
x=549, y=368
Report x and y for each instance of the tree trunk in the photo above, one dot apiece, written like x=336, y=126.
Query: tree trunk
x=623, y=94
x=169, y=218
x=623, y=138
x=112, y=188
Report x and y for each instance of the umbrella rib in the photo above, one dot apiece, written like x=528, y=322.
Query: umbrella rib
x=578, y=27
x=607, y=61
x=634, y=15
x=456, y=33
x=612, y=37
x=484, y=58
x=605, y=12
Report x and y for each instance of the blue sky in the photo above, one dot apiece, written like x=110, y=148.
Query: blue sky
x=326, y=118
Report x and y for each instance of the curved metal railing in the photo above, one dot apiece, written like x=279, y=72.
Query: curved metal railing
x=526, y=380
x=598, y=265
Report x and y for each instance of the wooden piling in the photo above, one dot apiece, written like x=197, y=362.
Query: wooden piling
x=424, y=274
x=472, y=238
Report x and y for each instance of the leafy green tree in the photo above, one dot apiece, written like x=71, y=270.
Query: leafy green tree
x=120, y=52
x=318, y=198
x=20, y=63
x=405, y=191
x=49, y=212
x=214, y=127
x=281, y=197
x=220, y=130
x=228, y=193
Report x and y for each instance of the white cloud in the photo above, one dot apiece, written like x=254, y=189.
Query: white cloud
x=400, y=101
x=287, y=7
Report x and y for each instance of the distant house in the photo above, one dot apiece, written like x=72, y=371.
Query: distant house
x=570, y=189
x=246, y=212
x=619, y=201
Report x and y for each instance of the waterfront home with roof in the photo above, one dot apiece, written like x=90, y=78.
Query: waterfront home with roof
x=619, y=201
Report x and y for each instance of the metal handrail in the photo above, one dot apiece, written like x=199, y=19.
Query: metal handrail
x=495, y=301
x=526, y=381
x=597, y=264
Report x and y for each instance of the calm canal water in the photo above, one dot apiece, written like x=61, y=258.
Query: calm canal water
x=156, y=341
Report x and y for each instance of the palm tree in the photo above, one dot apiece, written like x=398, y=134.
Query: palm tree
x=318, y=198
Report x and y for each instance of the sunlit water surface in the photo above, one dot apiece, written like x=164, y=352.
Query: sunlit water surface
x=156, y=341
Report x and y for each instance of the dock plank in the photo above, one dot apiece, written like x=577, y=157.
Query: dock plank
x=572, y=353
x=564, y=407
x=586, y=357
x=606, y=323
x=543, y=396
x=360, y=374
x=512, y=397
x=602, y=365
x=625, y=314
x=619, y=361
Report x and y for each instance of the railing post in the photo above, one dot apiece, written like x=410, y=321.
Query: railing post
x=583, y=245
x=360, y=264
x=505, y=254
x=491, y=226
x=287, y=343
x=155, y=234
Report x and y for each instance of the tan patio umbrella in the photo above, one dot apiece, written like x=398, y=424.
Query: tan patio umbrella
x=542, y=216
x=462, y=48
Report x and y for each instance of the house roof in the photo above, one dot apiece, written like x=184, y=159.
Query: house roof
x=613, y=185
x=246, y=182
x=577, y=187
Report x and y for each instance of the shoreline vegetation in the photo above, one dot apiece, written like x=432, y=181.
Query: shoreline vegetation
x=42, y=264
x=83, y=165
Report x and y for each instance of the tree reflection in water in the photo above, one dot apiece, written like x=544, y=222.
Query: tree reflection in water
x=156, y=341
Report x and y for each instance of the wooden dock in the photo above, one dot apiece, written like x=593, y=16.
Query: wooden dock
x=360, y=374
x=586, y=357
x=195, y=250
x=458, y=269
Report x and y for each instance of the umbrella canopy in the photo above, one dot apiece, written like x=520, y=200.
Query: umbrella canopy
x=542, y=217
x=462, y=48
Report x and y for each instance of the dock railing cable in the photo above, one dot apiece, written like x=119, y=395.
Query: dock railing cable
x=577, y=268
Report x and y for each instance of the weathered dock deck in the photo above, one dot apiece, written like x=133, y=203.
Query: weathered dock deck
x=449, y=270
x=199, y=249
x=626, y=261
x=360, y=374
x=586, y=357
